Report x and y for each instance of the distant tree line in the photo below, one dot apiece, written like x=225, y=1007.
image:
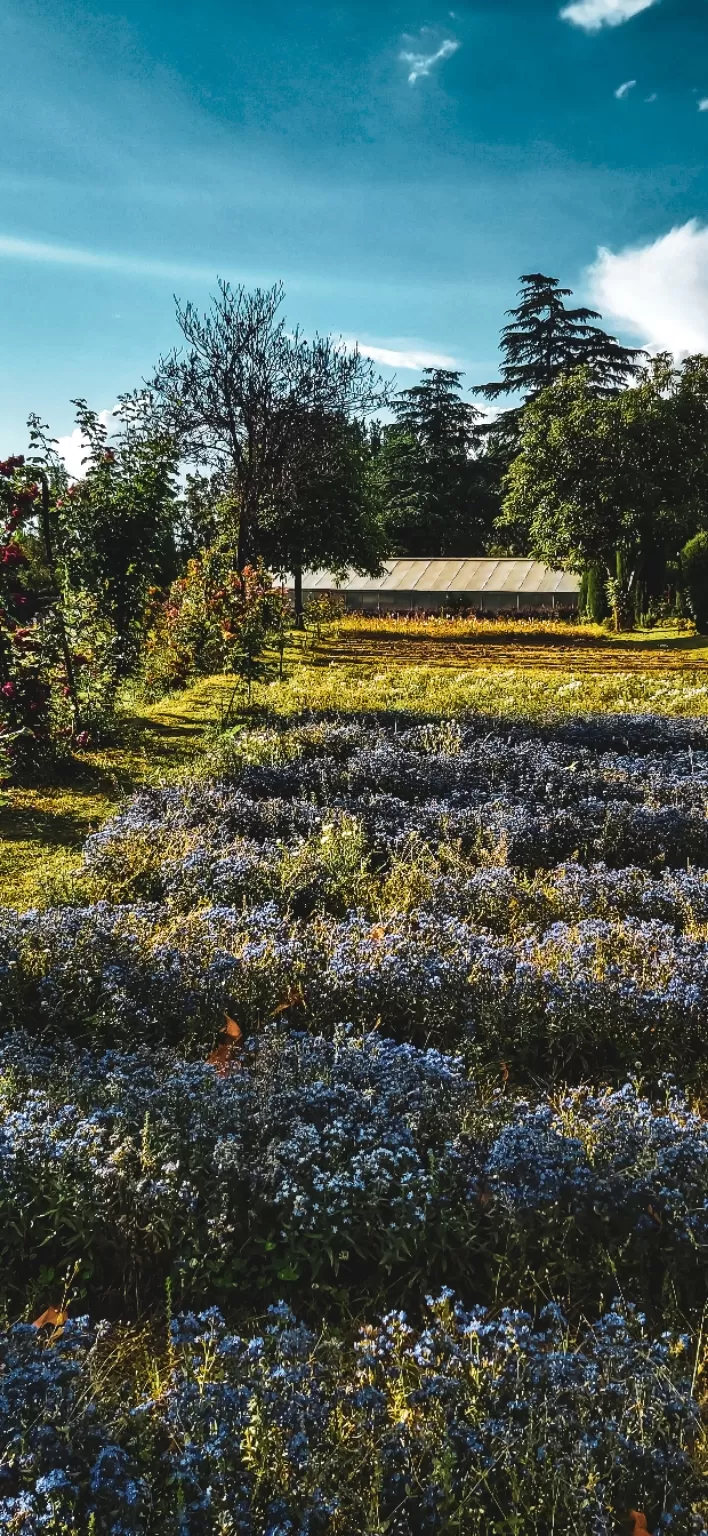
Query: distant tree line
x=253, y=449
x=302, y=457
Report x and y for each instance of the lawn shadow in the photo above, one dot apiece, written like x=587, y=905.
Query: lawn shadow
x=52, y=829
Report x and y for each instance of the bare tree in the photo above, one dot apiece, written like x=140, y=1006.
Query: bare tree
x=236, y=394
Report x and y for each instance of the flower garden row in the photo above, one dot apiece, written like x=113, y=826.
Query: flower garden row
x=323, y=1028
x=457, y=1425
x=323, y=1170
x=595, y=999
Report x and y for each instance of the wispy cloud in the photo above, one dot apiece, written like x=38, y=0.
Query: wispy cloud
x=658, y=291
x=624, y=90
x=410, y=358
x=101, y=261
x=651, y=98
x=703, y=104
x=420, y=64
x=591, y=15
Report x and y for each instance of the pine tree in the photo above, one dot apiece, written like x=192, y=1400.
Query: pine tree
x=436, y=502
x=544, y=340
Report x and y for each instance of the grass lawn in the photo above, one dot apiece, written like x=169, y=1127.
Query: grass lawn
x=442, y=666
x=43, y=827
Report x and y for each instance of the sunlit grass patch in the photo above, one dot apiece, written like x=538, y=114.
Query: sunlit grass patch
x=42, y=827
x=500, y=669
x=500, y=692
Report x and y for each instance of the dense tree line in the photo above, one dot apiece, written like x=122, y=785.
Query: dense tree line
x=300, y=456
x=253, y=448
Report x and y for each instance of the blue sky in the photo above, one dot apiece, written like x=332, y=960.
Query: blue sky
x=396, y=163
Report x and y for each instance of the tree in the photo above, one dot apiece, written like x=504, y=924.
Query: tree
x=205, y=512
x=237, y=396
x=544, y=340
x=327, y=513
x=593, y=594
x=610, y=480
x=115, y=526
x=437, y=500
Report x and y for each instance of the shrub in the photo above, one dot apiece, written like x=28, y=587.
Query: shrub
x=213, y=620
x=694, y=570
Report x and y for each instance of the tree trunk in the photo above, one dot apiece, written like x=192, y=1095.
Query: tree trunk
x=242, y=554
x=299, y=607
x=248, y=524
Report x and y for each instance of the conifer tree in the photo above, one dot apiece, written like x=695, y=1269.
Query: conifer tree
x=435, y=498
x=545, y=339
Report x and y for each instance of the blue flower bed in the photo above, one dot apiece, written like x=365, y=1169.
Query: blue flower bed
x=412, y=1429
x=317, y=1166
x=383, y=1009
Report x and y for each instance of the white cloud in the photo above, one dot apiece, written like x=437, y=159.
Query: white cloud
x=624, y=90
x=103, y=261
x=703, y=104
x=591, y=15
x=658, y=291
x=411, y=358
x=420, y=64
x=73, y=448
x=651, y=98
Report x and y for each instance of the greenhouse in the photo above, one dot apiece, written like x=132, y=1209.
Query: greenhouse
x=484, y=585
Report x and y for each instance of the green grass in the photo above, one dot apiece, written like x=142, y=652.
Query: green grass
x=43, y=827
x=495, y=671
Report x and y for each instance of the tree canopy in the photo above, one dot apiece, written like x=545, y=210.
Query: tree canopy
x=237, y=395
x=608, y=481
x=435, y=495
x=545, y=339
x=327, y=511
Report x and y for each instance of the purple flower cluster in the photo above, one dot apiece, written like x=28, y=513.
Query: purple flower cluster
x=527, y=802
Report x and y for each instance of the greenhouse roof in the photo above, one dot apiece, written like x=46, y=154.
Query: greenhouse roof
x=471, y=576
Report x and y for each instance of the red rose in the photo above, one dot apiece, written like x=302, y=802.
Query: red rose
x=13, y=555
x=8, y=466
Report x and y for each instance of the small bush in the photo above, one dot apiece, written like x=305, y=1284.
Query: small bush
x=694, y=570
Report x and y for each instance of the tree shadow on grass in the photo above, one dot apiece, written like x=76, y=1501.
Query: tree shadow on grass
x=55, y=829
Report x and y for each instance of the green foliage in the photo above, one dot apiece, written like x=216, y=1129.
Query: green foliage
x=97, y=658
x=25, y=691
x=324, y=612
x=434, y=491
x=115, y=525
x=244, y=397
x=607, y=481
x=326, y=514
x=545, y=340
x=694, y=576
x=213, y=620
x=593, y=594
x=205, y=513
